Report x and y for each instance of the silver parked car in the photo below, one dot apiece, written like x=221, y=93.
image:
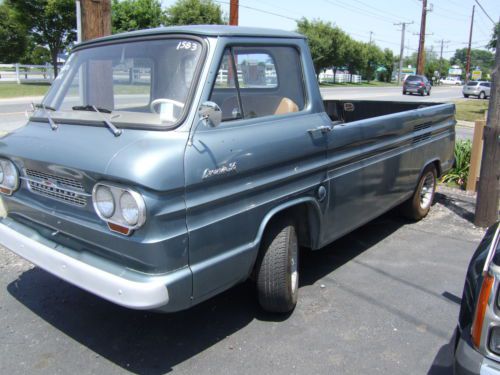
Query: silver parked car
x=480, y=89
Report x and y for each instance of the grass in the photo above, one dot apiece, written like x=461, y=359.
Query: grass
x=471, y=109
x=13, y=90
x=362, y=84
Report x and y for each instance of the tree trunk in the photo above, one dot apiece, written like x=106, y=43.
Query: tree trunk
x=53, y=55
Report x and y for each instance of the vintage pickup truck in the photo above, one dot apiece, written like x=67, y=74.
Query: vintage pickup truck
x=165, y=166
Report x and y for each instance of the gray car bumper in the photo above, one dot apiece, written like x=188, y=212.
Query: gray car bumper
x=94, y=274
x=468, y=361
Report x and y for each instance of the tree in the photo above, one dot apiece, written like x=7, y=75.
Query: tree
x=388, y=61
x=355, y=57
x=374, y=57
x=13, y=39
x=35, y=54
x=494, y=37
x=483, y=59
x=49, y=22
x=194, y=12
x=128, y=15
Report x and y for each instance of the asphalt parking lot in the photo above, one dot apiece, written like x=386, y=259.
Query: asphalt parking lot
x=382, y=300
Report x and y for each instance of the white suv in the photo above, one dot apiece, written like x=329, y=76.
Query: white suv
x=477, y=88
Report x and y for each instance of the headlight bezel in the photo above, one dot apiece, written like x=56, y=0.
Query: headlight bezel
x=117, y=222
x=8, y=165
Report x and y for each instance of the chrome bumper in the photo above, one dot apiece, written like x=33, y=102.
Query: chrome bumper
x=95, y=275
x=468, y=361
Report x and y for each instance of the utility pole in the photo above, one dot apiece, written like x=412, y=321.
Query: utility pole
x=401, y=51
x=443, y=42
x=421, y=43
x=488, y=188
x=96, y=18
x=467, y=66
x=233, y=12
x=371, y=33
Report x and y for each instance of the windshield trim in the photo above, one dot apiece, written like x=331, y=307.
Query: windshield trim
x=126, y=125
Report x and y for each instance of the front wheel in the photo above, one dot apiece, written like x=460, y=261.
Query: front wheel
x=418, y=206
x=277, y=269
x=466, y=96
x=482, y=95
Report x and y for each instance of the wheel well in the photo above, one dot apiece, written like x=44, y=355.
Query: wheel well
x=437, y=165
x=306, y=222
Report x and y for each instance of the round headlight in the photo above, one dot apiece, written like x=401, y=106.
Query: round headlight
x=104, y=201
x=10, y=176
x=129, y=208
x=1, y=173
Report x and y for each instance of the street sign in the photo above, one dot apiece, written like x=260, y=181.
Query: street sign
x=454, y=71
x=476, y=75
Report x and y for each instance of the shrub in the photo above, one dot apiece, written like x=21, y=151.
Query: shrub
x=460, y=171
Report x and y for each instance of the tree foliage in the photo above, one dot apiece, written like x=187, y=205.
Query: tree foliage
x=194, y=12
x=128, y=15
x=49, y=22
x=13, y=39
x=492, y=44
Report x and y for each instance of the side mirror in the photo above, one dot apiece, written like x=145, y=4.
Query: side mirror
x=211, y=113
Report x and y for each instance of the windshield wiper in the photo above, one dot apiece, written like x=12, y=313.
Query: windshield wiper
x=90, y=108
x=45, y=108
x=116, y=132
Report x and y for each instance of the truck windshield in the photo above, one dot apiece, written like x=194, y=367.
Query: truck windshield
x=134, y=84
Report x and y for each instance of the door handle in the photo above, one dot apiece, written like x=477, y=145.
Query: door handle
x=323, y=129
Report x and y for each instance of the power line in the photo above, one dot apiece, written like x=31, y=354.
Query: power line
x=357, y=10
x=487, y=15
x=259, y=10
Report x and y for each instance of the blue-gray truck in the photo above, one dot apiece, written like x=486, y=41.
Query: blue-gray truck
x=165, y=166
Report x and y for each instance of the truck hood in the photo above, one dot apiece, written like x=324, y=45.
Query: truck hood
x=152, y=159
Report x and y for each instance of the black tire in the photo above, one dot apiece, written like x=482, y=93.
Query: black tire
x=277, y=268
x=418, y=206
x=482, y=95
x=404, y=92
x=429, y=93
x=466, y=96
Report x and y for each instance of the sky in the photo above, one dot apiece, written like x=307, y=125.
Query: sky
x=449, y=20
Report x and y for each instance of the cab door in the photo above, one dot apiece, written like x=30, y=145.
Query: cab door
x=261, y=154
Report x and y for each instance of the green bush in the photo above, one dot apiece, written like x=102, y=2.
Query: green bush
x=460, y=172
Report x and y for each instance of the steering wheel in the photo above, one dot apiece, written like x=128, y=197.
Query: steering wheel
x=155, y=102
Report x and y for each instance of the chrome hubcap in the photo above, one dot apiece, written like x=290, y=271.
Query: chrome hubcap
x=294, y=270
x=427, y=191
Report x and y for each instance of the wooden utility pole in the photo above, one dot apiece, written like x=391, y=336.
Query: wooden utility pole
x=96, y=18
x=421, y=43
x=467, y=66
x=233, y=12
x=489, y=178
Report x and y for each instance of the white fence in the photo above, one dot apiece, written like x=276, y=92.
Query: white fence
x=327, y=77
x=26, y=73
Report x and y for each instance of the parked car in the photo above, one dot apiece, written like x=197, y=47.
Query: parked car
x=481, y=89
x=417, y=84
x=451, y=81
x=162, y=193
x=477, y=347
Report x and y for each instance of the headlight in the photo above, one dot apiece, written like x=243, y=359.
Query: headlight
x=9, y=177
x=104, y=201
x=495, y=340
x=130, y=208
x=123, y=209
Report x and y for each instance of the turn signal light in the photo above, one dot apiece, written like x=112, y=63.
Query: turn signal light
x=482, y=304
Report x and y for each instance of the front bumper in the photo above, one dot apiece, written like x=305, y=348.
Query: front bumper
x=94, y=274
x=469, y=361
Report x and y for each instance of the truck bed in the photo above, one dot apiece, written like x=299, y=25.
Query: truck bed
x=354, y=110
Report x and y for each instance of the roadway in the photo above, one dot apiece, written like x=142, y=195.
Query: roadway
x=12, y=111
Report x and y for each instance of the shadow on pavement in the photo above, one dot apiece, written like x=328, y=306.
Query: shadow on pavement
x=145, y=342
x=443, y=362
x=460, y=207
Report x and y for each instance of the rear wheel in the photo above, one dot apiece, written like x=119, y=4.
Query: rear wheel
x=418, y=206
x=429, y=92
x=404, y=92
x=466, y=96
x=482, y=95
x=277, y=268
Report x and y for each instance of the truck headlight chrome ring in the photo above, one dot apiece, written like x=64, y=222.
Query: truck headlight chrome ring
x=122, y=208
x=9, y=177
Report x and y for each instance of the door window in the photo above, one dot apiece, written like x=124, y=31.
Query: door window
x=259, y=81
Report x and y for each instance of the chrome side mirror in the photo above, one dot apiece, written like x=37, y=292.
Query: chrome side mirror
x=211, y=113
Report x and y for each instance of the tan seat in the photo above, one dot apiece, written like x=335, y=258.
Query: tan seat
x=286, y=106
